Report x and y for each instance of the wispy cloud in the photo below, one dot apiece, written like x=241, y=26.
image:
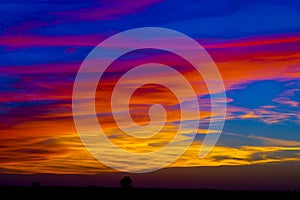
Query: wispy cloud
x=276, y=142
x=267, y=141
x=43, y=47
x=101, y=11
x=22, y=41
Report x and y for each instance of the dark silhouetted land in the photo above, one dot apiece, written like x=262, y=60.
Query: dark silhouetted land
x=140, y=193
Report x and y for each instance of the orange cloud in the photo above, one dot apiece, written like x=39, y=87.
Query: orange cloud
x=48, y=141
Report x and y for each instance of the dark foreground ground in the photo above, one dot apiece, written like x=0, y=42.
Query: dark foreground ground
x=95, y=192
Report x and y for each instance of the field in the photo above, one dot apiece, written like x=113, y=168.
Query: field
x=140, y=193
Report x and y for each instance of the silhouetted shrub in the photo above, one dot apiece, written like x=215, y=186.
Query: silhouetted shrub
x=126, y=182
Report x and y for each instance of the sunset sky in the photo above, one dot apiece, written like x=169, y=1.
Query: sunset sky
x=255, y=45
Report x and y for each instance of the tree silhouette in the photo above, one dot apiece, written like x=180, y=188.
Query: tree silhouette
x=126, y=182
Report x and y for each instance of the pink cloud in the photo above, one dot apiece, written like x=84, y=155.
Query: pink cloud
x=252, y=41
x=114, y=10
x=19, y=41
x=45, y=68
x=286, y=101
